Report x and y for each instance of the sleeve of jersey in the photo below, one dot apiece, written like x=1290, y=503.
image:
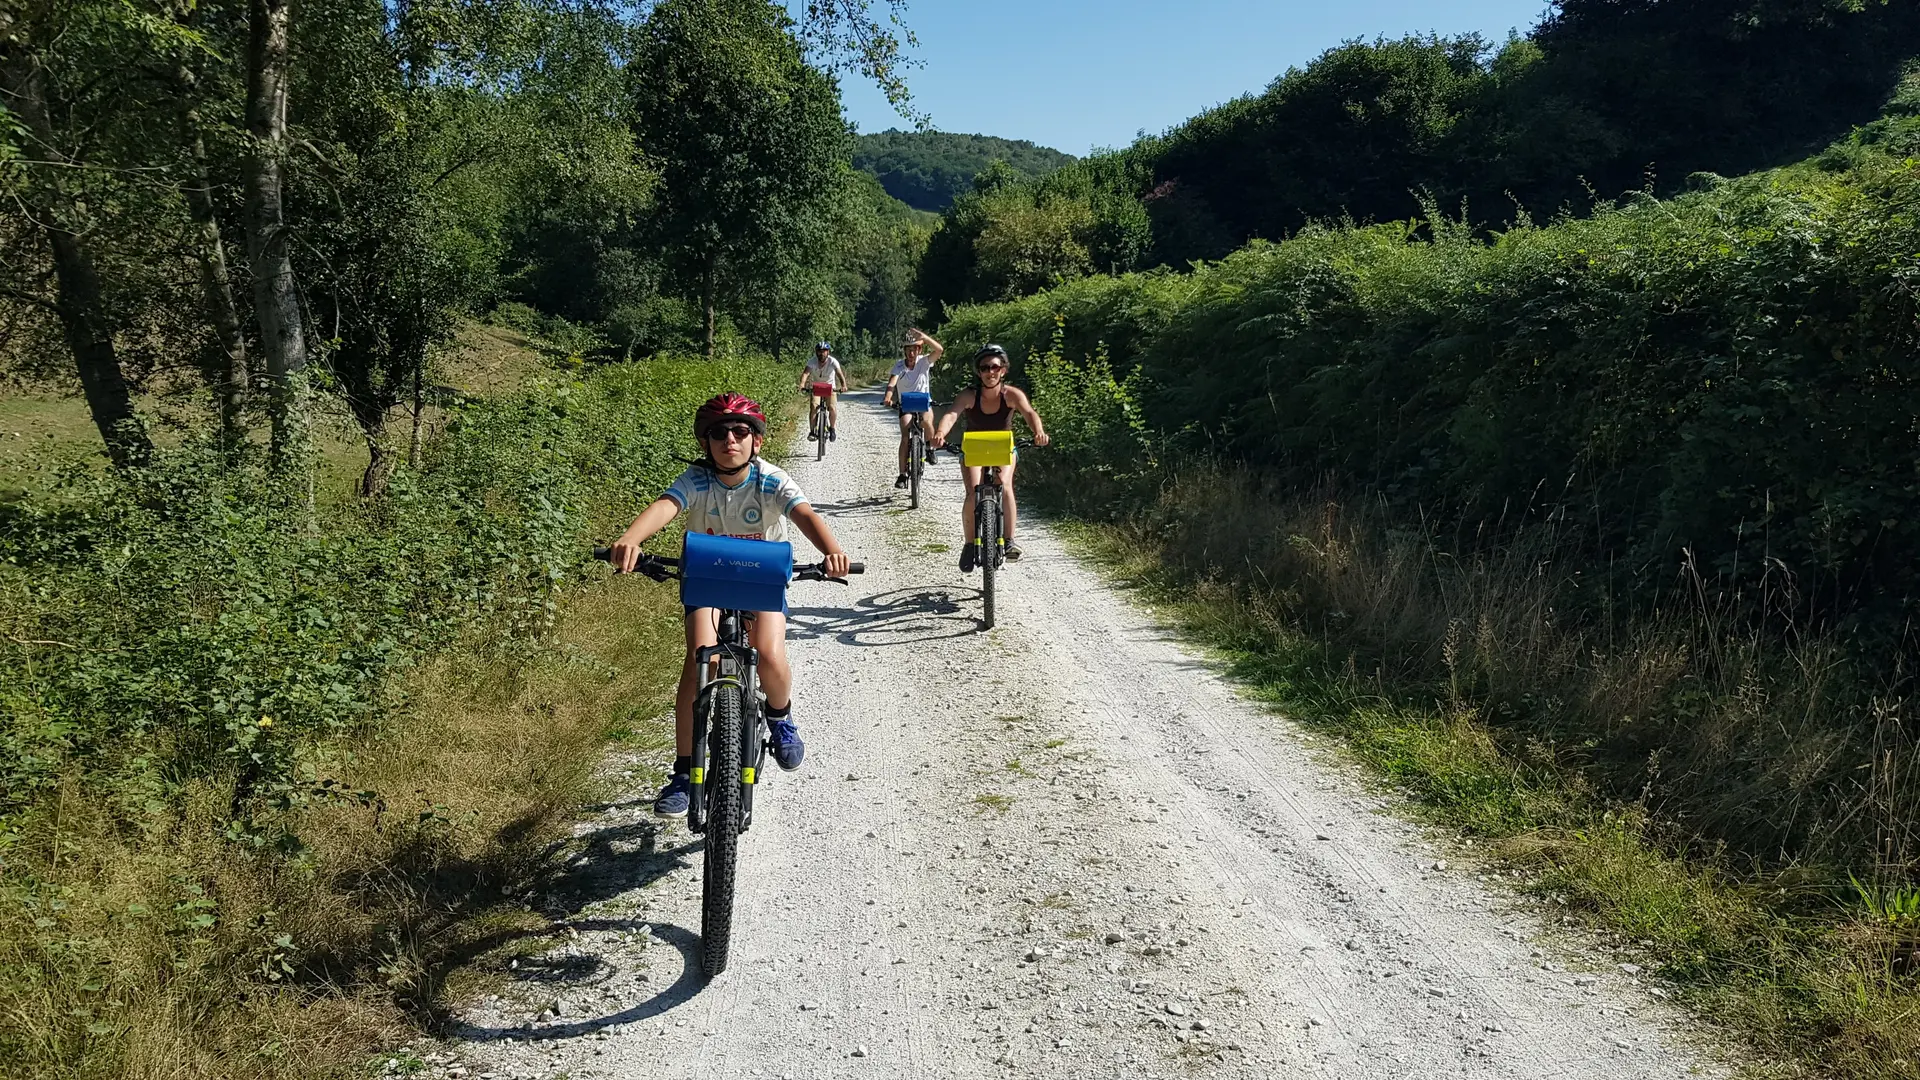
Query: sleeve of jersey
x=788, y=495
x=681, y=490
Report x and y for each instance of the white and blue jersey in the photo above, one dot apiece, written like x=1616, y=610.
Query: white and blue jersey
x=755, y=509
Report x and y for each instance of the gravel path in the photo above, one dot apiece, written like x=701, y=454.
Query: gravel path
x=1064, y=848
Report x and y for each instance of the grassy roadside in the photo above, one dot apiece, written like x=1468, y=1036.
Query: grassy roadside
x=1817, y=976
x=272, y=793
x=306, y=968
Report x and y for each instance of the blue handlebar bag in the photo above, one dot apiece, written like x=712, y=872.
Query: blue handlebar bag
x=729, y=572
x=916, y=403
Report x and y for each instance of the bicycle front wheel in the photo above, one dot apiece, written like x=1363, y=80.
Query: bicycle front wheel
x=988, y=555
x=820, y=433
x=723, y=829
x=916, y=464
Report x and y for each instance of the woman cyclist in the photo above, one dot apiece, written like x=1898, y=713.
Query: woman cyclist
x=732, y=492
x=989, y=405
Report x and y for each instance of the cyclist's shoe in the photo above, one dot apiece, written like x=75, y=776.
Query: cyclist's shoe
x=833, y=434
x=900, y=481
x=675, y=797
x=969, y=555
x=813, y=436
x=1012, y=551
x=784, y=739
x=930, y=460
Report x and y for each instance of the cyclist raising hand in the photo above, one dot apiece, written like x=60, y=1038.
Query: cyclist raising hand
x=989, y=406
x=913, y=374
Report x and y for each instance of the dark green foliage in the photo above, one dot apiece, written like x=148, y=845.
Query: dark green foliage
x=752, y=149
x=927, y=170
x=179, y=624
x=1725, y=374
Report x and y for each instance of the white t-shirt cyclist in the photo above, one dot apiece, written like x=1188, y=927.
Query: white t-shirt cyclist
x=917, y=379
x=826, y=371
x=754, y=509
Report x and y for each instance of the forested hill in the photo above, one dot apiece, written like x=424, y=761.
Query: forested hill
x=1602, y=100
x=927, y=169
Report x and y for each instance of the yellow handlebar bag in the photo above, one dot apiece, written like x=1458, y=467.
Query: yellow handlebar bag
x=987, y=448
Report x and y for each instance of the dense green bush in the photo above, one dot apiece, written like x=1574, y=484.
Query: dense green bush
x=1728, y=373
x=187, y=622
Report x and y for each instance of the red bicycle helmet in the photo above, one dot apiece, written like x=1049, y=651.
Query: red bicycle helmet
x=729, y=406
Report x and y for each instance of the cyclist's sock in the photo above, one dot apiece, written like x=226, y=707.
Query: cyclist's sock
x=784, y=712
x=683, y=764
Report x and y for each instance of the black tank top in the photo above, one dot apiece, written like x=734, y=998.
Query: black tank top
x=977, y=420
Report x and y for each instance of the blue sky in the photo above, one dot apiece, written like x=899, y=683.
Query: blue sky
x=1079, y=74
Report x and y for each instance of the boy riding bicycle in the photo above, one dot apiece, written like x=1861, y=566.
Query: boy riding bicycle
x=913, y=374
x=732, y=492
x=823, y=367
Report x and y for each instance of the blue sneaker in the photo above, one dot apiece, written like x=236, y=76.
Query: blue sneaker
x=675, y=797
x=788, y=750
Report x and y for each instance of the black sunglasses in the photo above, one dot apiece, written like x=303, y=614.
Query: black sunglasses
x=993, y=367
x=730, y=431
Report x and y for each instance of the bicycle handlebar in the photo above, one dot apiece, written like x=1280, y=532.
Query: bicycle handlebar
x=661, y=567
x=1018, y=444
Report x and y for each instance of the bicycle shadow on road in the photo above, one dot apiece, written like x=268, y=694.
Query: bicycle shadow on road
x=899, y=617
x=872, y=506
x=606, y=862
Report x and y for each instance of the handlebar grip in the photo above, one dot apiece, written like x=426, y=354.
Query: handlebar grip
x=857, y=568
x=603, y=554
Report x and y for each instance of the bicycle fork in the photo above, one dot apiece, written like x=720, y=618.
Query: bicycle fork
x=723, y=665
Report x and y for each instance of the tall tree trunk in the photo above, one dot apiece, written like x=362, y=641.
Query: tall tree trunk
x=80, y=301
x=276, y=298
x=230, y=380
x=708, y=287
x=372, y=419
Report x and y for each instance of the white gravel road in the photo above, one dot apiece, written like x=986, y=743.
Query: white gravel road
x=1064, y=848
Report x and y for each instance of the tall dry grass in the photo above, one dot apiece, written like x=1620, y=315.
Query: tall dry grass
x=1691, y=704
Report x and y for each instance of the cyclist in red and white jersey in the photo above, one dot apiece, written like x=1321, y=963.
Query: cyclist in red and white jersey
x=823, y=367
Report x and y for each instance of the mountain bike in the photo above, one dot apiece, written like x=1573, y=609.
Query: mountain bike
x=989, y=517
x=730, y=724
x=822, y=425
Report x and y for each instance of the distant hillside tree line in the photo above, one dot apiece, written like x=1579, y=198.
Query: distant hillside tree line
x=1602, y=98
x=927, y=170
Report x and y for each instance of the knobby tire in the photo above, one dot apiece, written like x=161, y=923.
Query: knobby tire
x=916, y=464
x=723, y=830
x=989, y=549
x=820, y=430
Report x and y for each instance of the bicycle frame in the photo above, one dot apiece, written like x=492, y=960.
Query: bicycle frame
x=985, y=493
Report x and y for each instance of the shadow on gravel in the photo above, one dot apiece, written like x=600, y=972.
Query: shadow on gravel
x=900, y=617
x=574, y=972
x=607, y=862
x=873, y=506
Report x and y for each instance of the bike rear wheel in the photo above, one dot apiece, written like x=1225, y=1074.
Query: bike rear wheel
x=820, y=432
x=723, y=829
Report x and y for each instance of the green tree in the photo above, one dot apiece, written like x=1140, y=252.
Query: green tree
x=750, y=145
